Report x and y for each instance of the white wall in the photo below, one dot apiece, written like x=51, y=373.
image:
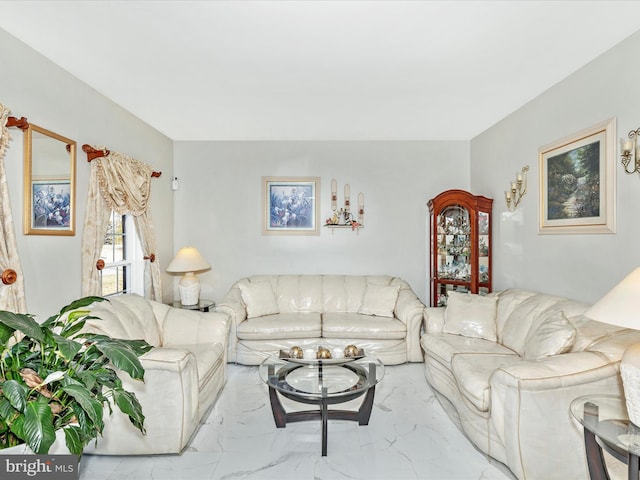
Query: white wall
x=33, y=87
x=583, y=267
x=218, y=208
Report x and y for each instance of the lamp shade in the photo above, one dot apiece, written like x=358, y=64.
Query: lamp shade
x=188, y=259
x=621, y=306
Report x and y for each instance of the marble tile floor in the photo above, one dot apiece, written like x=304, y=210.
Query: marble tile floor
x=408, y=437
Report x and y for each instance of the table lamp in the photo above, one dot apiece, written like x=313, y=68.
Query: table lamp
x=621, y=307
x=188, y=261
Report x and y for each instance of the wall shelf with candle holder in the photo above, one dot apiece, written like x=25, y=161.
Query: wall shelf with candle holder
x=344, y=217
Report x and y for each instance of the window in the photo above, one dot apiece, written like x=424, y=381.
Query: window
x=122, y=255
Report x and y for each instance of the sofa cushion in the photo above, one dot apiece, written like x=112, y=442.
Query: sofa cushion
x=259, y=299
x=553, y=336
x=355, y=325
x=282, y=325
x=470, y=316
x=527, y=315
x=614, y=345
x=589, y=331
x=129, y=317
x=508, y=300
x=473, y=371
x=379, y=300
x=444, y=346
x=299, y=293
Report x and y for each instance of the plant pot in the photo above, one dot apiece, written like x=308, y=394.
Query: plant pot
x=59, y=447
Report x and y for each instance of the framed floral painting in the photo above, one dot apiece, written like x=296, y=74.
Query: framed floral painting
x=291, y=205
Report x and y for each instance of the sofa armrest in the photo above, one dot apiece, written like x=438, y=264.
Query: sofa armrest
x=169, y=400
x=434, y=319
x=556, y=371
x=233, y=306
x=187, y=327
x=409, y=310
x=523, y=394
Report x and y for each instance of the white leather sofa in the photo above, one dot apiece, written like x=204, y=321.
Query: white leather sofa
x=184, y=373
x=506, y=368
x=380, y=314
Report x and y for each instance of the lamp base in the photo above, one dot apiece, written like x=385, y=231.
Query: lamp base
x=189, y=287
x=630, y=373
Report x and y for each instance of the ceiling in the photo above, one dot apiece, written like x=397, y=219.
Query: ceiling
x=321, y=70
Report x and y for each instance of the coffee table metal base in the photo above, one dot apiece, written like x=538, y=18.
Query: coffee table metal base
x=362, y=415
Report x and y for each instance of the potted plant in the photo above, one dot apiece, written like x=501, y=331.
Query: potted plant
x=53, y=376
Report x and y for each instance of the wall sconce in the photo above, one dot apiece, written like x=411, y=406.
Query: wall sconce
x=630, y=152
x=517, y=190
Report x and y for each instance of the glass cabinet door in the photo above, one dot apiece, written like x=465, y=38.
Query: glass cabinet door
x=484, y=242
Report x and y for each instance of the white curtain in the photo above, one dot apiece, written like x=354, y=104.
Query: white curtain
x=122, y=184
x=12, y=296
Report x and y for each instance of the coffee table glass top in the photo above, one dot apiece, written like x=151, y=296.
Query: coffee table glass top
x=606, y=416
x=308, y=380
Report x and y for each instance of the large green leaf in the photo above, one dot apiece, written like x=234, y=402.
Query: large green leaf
x=25, y=323
x=92, y=407
x=68, y=348
x=7, y=411
x=81, y=303
x=16, y=393
x=129, y=405
x=122, y=357
x=5, y=333
x=74, y=439
x=73, y=328
x=38, y=427
x=139, y=347
x=17, y=427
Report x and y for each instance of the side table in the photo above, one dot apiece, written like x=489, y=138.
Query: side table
x=203, y=305
x=606, y=426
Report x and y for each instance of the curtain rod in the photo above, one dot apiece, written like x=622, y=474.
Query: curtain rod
x=93, y=153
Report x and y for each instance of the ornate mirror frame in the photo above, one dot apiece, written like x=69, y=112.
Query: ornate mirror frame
x=49, y=183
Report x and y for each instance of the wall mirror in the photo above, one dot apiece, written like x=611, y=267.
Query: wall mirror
x=49, y=183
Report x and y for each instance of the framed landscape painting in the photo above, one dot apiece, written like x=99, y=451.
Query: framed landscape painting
x=577, y=182
x=291, y=205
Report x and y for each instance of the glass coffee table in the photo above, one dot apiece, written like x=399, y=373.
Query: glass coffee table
x=322, y=383
x=606, y=426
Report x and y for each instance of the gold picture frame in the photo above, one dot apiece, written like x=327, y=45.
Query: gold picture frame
x=291, y=205
x=577, y=182
x=49, y=183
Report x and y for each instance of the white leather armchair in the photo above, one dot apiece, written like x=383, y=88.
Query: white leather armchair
x=184, y=373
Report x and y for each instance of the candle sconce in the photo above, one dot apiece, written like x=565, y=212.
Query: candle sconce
x=630, y=152
x=343, y=217
x=517, y=189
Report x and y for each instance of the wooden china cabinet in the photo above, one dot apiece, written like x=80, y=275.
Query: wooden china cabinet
x=460, y=244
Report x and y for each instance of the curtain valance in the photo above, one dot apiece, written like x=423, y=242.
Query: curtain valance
x=125, y=183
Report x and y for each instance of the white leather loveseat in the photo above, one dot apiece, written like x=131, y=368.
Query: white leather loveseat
x=184, y=373
x=271, y=312
x=507, y=367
